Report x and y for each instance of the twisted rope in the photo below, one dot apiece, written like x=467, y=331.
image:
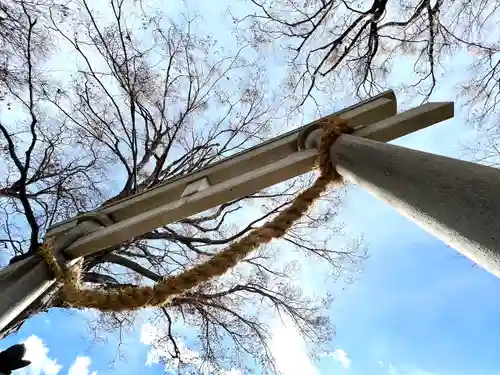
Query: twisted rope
x=162, y=292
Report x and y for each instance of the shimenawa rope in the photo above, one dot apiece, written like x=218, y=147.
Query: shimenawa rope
x=162, y=292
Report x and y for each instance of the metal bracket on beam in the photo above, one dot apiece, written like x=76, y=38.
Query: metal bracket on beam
x=305, y=135
x=196, y=186
x=96, y=216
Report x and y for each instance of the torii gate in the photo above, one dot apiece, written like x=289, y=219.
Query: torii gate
x=457, y=201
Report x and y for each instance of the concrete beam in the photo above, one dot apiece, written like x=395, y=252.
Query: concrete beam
x=244, y=183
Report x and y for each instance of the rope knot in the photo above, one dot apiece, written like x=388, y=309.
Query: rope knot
x=332, y=130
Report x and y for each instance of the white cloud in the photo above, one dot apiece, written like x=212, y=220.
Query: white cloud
x=341, y=356
x=290, y=351
x=406, y=370
x=162, y=352
x=148, y=334
x=81, y=367
x=41, y=364
x=38, y=354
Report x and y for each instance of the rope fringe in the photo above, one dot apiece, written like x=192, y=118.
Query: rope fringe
x=162, y=292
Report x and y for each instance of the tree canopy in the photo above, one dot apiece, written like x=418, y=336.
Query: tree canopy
x=100, y=103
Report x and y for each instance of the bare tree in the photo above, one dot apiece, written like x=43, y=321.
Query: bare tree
x=20, y=22
x=150, y=99
x=352, y=47
x=355, y=44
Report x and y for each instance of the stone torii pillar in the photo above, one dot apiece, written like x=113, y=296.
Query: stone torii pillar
x=457, y=201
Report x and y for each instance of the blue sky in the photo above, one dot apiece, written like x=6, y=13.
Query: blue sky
x=418, y=307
